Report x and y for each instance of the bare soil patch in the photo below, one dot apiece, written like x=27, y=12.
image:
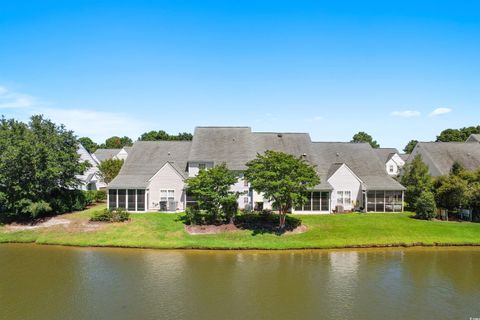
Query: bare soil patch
x=62, y=221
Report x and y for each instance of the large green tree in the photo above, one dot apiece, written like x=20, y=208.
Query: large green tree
x=365, y=137
x=212, y=190
x=116, y=142
x=417, y=180
x=162, y=135
x=37, y=159
x=451, y=192
x=457, y=135
x=89, y=144
x=109, y=169
x=410, y=146
x=282, y=178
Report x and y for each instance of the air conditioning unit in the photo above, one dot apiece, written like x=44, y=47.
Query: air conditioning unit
x=172, y=205
x=163, y=205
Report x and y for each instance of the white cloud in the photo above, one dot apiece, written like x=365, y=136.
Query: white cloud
x=97, y=125
x=14, y=100
x=406, y=114
x=317, y=118
x=440, y=111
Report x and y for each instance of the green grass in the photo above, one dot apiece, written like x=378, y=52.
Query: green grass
x=159, y=230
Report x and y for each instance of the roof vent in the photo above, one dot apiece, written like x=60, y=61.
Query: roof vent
x=168, y=152
x=338, y=154
x=304, y=155
x=279, y=135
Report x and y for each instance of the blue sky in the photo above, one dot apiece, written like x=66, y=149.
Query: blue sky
x=399, y=70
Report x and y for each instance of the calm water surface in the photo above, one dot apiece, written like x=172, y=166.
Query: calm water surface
x=45, y=282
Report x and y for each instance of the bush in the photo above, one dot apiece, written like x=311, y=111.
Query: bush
x=110, y=215
x=65, y=200
x=425, y=206
x=101, y=195
x=90, y=197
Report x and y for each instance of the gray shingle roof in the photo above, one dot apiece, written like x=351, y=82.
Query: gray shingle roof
x=104, y=154
x=146, y=158
x=237, y=145
x=474, y=138
x=359, y=157
x=440, y=156
x=222, y=144
x=385, y=154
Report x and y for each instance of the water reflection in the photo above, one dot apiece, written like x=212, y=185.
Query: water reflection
x=66, y=283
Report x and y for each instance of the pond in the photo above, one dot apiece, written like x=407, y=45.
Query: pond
x=49, y=282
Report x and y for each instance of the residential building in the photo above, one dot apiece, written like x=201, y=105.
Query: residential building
x=392, y=159
x=104, y=154
x=352, y=175
x=90, y=179
x=440, y=156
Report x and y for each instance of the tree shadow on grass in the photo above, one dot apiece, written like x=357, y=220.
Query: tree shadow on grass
x=266, y=223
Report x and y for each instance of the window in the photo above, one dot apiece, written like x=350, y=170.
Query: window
x=112, y=198
x=131, y=199
x=339, y=197
x=325, y=201
x=167, y=195
x=245, y=182
x=390, y=168
x=202, y=166
x=347, y=197
x=122, y=203
x=316, y=201
x=140, y=200
x=245, y=199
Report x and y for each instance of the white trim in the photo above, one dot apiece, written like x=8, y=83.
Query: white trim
x=351, y=171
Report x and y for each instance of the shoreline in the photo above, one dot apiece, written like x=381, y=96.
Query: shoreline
x=197, y=248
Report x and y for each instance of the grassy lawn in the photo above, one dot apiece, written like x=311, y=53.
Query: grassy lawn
x=158, y=230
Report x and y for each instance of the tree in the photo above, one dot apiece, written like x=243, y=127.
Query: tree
x=162, y=135
x=416, y=180
x=212, y=190
x=410, y=146
x=37, y=161
x=117, y=142
x=365, y=137
x=425, y=207
x=88, y=144
x=457, y=135
x=283, y=179
x=109, y=169
x=457, y=169
x=451, y=192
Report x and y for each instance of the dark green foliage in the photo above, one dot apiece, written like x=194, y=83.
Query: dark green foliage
x=88, y=144
x=100, y=195
x=282, y=178
x=37, y=161
x=457, y=135
x=451, y=192
x=162, y=135
x=365, y=137
x=265, y=223
x=456, y=169
x=417, y=180
x=117, y=142
x=425, y=206
x=109, y=169
x=110, y=215
x=410, y=146
x=211, y=190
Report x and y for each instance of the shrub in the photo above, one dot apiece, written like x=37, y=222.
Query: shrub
x=110, y=215
x=90, y=197
x=101, y=195
x=425, y=206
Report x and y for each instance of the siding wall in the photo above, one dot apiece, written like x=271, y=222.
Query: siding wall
x=169, y=179
x=344, y=180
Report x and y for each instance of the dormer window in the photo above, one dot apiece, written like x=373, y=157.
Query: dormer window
x=390, y=168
